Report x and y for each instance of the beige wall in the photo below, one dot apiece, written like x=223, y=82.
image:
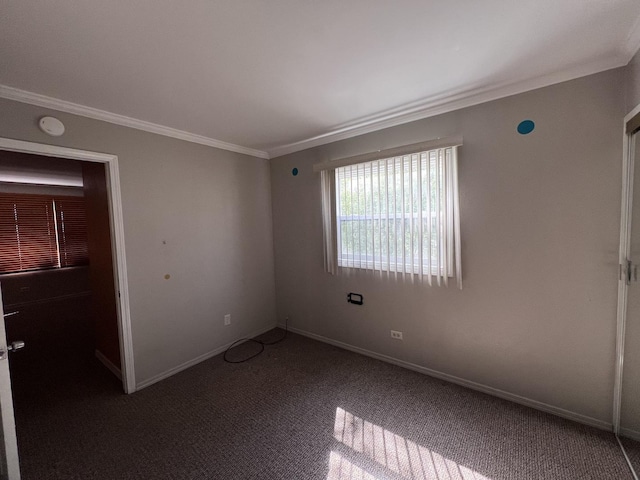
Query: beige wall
x=213, y=210
x=633, y=82
x=540, y=224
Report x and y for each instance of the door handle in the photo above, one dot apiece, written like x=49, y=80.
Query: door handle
x=630, y=271
x=15, y=346
x=12, y=347
x=10, y=314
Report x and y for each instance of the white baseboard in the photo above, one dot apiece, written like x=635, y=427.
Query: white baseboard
x=195, y=361
x=561, y=412
x=628, y=433
x=109, y=364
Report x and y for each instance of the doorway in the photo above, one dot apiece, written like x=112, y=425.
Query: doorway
x=119, y=356
x=117, y=237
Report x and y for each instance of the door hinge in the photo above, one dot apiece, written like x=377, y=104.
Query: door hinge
x=629, y=272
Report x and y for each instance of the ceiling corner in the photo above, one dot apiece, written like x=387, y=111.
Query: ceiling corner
x=430, y=108
x=632, y=45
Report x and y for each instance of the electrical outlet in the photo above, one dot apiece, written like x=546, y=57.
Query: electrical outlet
x=227, y=319
x=397, y=335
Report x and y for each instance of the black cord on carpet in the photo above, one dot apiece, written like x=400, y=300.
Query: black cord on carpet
x=259, y=342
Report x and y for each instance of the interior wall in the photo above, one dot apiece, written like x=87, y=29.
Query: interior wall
x=40, y=189
x=633, y=82
x=540, y=223
x=20, y=168
x=199, y=215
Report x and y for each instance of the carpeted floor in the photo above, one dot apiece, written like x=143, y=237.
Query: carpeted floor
x=632, y=447
x=301, y=410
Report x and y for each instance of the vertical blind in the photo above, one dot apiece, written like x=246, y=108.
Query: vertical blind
x=40, y=231
x=397, y=216
x=329, y=241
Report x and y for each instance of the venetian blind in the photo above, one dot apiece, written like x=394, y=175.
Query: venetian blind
x=40, y=231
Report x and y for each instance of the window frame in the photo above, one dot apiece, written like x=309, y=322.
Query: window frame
x=374, y=174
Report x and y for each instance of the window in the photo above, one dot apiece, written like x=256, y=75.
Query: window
x=396, y=214
x=40, y=231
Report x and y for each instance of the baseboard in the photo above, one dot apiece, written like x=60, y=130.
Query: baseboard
x=577, y=417
x=109, y=364
x=195, y=361
x=629, y=433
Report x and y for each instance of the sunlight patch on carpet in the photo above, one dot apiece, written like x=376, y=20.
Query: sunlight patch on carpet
x=394, y=452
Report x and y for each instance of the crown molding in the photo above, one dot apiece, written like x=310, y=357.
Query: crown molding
x=23, y=96
x=415, y=111
x=633, y=40
x=444, y=104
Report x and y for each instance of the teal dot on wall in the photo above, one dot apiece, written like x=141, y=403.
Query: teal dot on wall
x=525, y=127
x=294, y=172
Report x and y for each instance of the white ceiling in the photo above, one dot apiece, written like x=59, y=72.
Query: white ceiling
x=282, y=75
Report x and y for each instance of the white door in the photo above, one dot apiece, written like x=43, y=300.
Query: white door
x=9, y=467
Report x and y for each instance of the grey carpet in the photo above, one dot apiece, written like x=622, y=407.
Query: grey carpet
x=632, y=447
x=301, y=410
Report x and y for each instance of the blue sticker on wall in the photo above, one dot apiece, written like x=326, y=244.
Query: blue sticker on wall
x=294, y=172
x=525, y=127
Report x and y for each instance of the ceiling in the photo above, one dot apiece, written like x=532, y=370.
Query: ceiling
x=271, y=77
